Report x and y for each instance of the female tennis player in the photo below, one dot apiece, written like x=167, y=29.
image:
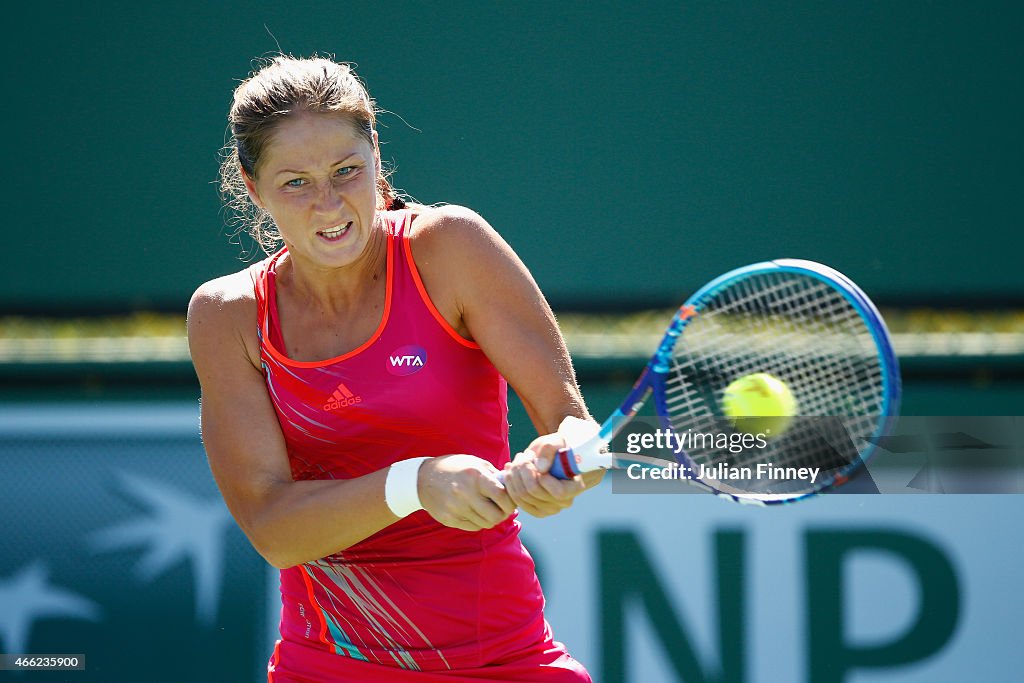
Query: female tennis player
x=354, y=403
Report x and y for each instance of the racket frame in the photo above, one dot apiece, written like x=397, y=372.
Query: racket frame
x=592, y=454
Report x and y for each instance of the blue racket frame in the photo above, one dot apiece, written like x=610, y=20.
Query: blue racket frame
x=588, y=455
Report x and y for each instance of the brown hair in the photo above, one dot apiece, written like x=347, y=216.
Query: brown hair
x=284, y=86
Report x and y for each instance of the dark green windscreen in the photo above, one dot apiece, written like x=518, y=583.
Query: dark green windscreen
x=628, y=153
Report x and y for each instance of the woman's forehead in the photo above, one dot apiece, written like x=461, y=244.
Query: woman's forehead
x=310, y=141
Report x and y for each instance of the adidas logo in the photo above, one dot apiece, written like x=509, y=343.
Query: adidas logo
x=342, y=398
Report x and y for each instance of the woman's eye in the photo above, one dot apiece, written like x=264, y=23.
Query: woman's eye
x=295, y=182
x=345, y=170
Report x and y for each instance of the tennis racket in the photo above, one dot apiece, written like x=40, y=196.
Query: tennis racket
x=799, y=321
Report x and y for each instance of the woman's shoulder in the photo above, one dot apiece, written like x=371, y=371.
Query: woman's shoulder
x=226, y=292
x=450, y=231
x=222, y=306
x=457, y=252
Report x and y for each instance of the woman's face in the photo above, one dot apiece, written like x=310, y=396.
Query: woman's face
x=318, y=179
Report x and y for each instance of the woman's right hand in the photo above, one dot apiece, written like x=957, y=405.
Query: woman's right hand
x=464, y=492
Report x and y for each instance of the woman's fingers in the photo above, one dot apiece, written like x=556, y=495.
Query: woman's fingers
x=462, y=491
x=532, y=488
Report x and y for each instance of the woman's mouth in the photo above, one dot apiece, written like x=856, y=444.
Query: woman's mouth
x=335, y=233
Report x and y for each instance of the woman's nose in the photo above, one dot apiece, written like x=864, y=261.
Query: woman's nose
x=327, y=198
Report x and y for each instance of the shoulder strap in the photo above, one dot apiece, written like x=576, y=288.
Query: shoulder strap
x=265, y=314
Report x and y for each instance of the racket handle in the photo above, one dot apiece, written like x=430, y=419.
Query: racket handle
x=564, y=466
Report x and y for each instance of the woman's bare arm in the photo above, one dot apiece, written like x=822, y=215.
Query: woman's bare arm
x=486, y=292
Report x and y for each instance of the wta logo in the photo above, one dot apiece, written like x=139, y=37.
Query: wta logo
x=342, y=398
x=406, y=360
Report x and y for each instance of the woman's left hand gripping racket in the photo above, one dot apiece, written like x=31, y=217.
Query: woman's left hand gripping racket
x=811, y=330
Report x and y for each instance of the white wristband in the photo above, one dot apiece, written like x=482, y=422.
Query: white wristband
x=401, y=489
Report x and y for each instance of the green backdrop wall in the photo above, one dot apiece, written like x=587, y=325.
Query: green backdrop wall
x=883, y=138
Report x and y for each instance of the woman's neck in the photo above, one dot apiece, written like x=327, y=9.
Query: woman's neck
x=335, y=290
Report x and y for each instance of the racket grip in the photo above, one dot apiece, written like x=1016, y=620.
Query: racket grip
x=564, y=466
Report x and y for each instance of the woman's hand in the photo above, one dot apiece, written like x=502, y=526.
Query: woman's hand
x=532, y=488
x=463, y=491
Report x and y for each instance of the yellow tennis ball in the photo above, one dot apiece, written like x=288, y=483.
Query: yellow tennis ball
x=759, y=404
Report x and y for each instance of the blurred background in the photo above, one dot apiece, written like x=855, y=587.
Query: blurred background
x=629, y=153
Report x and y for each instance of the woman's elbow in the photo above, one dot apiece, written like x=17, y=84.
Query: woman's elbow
x=267, y=541
x=279, y=548
x=279, y=562
x=271, y=549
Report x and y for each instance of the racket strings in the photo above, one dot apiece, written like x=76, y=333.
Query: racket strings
x=806, y=333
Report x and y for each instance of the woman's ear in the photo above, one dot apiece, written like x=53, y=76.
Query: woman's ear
x=250, y=187
x=376, y=152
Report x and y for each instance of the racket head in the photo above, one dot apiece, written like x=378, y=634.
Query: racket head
x=802, y=322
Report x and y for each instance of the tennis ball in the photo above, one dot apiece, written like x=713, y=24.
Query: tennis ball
x=759, y=404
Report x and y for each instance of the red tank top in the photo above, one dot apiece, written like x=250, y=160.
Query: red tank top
x=416, y=595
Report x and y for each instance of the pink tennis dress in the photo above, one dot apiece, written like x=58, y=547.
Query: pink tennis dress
x=417, y=601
